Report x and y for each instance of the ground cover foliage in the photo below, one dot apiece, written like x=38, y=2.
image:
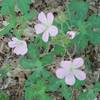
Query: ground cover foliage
x=32, y=76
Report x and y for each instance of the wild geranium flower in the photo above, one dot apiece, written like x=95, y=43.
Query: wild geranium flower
x=70, y=70
x=71, y=34
x=45, y=26
x=19, y=46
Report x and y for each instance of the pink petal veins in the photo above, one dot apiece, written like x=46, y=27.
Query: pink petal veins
x=66, y=64
x=80, y=75
x=53, y=30
x=45, y=36
x=60, y=73
x=42, y=18
x=70, y=79
x=39, y=28
x=50, y=18
x=78, y=62
x=19, y=46
x=12, y=44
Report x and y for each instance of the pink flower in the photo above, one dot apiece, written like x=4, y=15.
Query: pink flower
x=70, y=70
x=45, y=26
x=71, y=34
x=19, y=46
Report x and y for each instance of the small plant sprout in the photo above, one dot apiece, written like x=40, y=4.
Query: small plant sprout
x=19, y=46
x=71, y=34
x=45, y=26
x=70, y=70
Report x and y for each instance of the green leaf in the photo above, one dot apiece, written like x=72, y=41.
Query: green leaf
x=54, y=84
x=7, y=28
x=97, y=87
x=77, y=11
x=94, y=29
x=3, y=72
x=91, y=93
x=95, y=38
x=40, y=43
x=3, y=96
x=33, y=51
x=29, y=63
x=29, y=94
x=29, y=1
x=66, y=92
x=59, y=50
x=47, y=59
x=62, y=22
x=4, y=9
x=30, y=16
x=7, y=7
x=81, y=41
x=88, y=95
x=23, y=5
x=94, y=21
x=36, y=87
x=78, y=84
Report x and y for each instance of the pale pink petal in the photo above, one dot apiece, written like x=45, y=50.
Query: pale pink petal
x=50, y=18
x=45, y=36
x=42, y=18
x=11, y=44
x=20, y=50
x=39, y=28
x=21, y=47
x=70, y=79
x=24, y=51
x=60, y=73
x=80, y=75
x=78, y=62
x=66, y=64
x=16, y=51
x=53, y=30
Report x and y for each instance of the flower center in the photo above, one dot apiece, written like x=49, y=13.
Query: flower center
x=19, y=44
x=71, y=69
x=47, y=26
